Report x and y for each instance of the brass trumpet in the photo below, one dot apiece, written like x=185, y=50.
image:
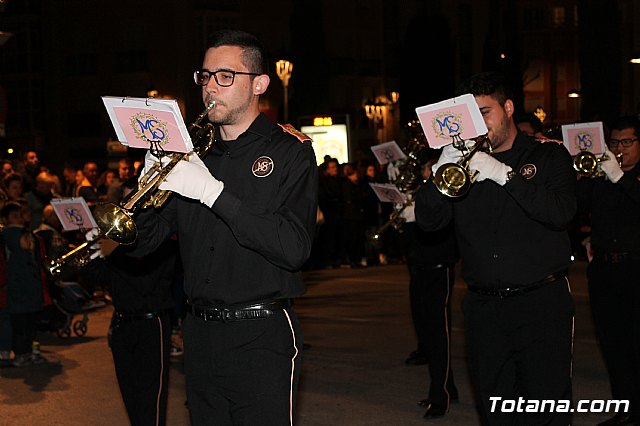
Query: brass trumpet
x=409, y=172
x=408, y=181
x=116, y=221
x=79, y=257
x=455, y=179
x=396, y=221
x=587, y=164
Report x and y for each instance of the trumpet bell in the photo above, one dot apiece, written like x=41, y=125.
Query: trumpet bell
x=375, y=240
x=586, y=163
x=115, y=223
x=452, y=180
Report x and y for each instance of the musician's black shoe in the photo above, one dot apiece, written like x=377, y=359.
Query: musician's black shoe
x=618, y=419
x=417, y=358
x=434, y=411
x=425, y=402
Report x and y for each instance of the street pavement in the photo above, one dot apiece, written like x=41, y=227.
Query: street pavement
x=357, y=332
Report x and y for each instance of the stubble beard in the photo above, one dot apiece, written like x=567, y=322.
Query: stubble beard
x=230, y=116
x=500, y=135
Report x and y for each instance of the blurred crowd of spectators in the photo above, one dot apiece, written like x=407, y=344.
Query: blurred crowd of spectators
x=31, y=234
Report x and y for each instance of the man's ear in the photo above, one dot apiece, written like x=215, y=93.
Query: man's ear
x=508, y=107
x=260, y=84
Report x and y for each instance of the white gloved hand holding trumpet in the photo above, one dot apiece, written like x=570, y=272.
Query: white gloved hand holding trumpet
x=193, y=180
x=487, y=167
x=611, y=167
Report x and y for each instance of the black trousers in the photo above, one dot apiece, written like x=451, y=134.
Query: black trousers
x=140, y=349
x=614, y=291
x=520, y=346
x=330, y=242
x=24, y=331
x=242, y=372
x=353, y=235
x=430, y=291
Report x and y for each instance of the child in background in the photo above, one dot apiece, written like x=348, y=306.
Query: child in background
x=6, y=335
x=25, y=296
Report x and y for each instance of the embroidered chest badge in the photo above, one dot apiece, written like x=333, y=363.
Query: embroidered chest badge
x=528, y=171
x=262, y=167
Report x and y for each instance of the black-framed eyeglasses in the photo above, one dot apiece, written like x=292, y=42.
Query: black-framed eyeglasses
x=613, y=143
x=224, y=78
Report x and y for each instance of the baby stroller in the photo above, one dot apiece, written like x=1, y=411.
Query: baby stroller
x=68, y=296
x=69, y=299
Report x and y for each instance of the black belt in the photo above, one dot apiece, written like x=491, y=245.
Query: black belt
x=516, y=291
x=124, y=317
x=614, y=257
x=239, y=312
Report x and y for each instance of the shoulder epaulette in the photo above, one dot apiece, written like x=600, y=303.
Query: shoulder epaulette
x=546, y=140
x=293, y=131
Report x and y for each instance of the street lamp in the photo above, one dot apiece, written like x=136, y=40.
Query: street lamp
x=375, y=111
x=573, y=93
x=577, y=95
x=152, y=92
x=283, y=69
x=369, y=109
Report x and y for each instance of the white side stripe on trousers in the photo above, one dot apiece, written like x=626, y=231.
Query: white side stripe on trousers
x=161, y=371
x=293, y=359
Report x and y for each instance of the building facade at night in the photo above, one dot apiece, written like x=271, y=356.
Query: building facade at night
x=62, y=56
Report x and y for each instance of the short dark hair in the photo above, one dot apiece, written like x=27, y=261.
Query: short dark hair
x=488, y=83
x=9, y=208
x=532, y=119
x=10, y=178
x=627, y=122
x=253, y=55
x=69, y=166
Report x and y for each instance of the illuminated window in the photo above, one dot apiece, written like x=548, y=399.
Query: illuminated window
x=558, y=16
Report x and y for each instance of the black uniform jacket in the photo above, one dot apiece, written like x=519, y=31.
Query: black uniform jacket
x=615, y=212
x=515, y=234
x=252, y=243
x=138, y=285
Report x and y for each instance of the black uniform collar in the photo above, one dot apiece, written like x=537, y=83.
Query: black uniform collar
x=521, y=143
x=260, y=127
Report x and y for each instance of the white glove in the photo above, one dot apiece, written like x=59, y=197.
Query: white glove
x=392, y=170
x=103, y=248
x=611, y=168
x=92, y=236
x=193, y=180
x=449, y=154
x=149, y=161
x=489, y=168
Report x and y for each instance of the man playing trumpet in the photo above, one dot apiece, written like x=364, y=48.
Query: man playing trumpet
x=245, y=217
x=613, y=205
x=511, y=229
